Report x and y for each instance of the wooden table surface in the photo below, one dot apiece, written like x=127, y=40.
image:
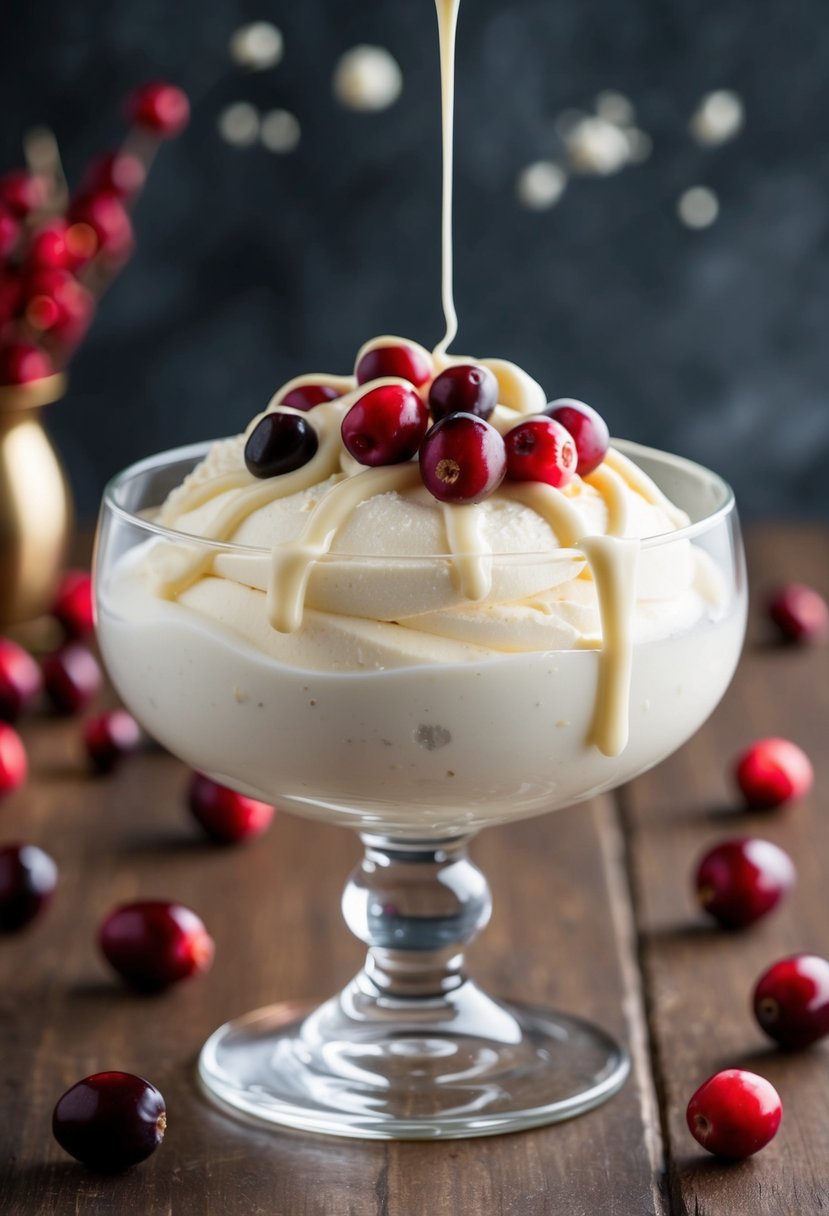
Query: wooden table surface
x=592, y=914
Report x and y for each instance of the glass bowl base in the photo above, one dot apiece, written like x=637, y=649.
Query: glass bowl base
x=458, y=1065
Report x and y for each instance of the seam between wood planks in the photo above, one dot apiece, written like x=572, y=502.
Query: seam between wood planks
x=646, y=1058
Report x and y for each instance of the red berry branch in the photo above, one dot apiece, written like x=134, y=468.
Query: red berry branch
x=60, y=252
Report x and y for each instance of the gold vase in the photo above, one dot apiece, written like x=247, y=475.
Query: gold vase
x=35, y=502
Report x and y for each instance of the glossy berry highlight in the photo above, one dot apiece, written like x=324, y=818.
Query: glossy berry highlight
x=772, y=772
x=588, y=429
x=225, y=816
x=540, y=449
x=109, y=738
x=800, y=613
x=385, y=425
x=280, y=443
x=28, y=878
x=14, y=765
x=72, y=678
x=20, y=680
x=462, y=459
x=110, y=1121
x=405, y=360
x=739, y=881
x=155, y=943
x=464, y=388
x=791, y=1000
x=734, y=1113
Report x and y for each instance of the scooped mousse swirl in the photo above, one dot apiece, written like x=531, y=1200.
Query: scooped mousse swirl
x=398, y=530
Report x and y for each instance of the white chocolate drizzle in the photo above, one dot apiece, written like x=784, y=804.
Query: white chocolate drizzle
x=613, y=562
x=447, y=11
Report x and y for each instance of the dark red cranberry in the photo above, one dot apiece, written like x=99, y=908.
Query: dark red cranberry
x=280, y=443
x=110, y=737
x=20, y=680
x=791, y=1000
x=22, y=363
x=28, y=878
x=224, y=815
x=540, y=449
x=14, y=764
x=118, y=173
x=465, y=388
x=73, y=603
x=9, y=231
x=772, y=772
x=800, y=613
x=109, y=220
x=71, y=677
x=734, y=1113
x=159, y=107
x=462, y=459
x=588, y=428
x=385, y=425
x=47, y=247
x=154, y=943
x=22, y=192
x=306, y=396
x=110, y=1121
x=739, y=881
x=402, y=359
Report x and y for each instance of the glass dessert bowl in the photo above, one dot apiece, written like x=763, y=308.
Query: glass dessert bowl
x=417, y=746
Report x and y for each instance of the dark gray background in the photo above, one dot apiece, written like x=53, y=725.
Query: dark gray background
x=253, y=267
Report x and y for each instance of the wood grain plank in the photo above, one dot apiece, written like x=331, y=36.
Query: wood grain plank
x=699, y=979
x=273, y=908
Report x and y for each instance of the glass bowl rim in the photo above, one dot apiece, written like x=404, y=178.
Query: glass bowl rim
x=725, y=506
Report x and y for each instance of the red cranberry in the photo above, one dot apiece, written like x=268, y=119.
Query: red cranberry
x=22, y=192
x=800, y=613
x=160, y=108
x=57, y=302
x=9, y=231
x=462, y=459
x=109, y=737
x=106, y=215
x=118, y=173
x=22, y=363
x=734, y=1113
x=791, y=1000
x=71, y=677
x=540, y=449
x=739, y=881
x=385, y=425
x=588, y=428
x=73, y=603
x=110, y=1121
x=20, y=680
x=306, y=396
x=405, y=360
x=14, y=765
x=773, y=771
x=225, y=816
x=464, y=388
x=154, y=943
x=28, y=878
x=280, y=443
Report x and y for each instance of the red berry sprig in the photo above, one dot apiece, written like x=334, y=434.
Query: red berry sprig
x=57, y=257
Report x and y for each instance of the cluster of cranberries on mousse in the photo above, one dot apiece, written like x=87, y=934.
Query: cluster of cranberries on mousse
x=410, y=409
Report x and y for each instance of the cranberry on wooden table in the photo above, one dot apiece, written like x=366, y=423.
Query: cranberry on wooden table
x=20, y=680
x=109, y=738
x=155, y=943
x=110, y=1121
x=772, y=772
x=800, y=613
x=72, y=678
x=791, y=1000
x=738, y=881
x=14, y=765
x=73, y=603
x=225, y=816
x=734, y=1113
x=28, y=878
